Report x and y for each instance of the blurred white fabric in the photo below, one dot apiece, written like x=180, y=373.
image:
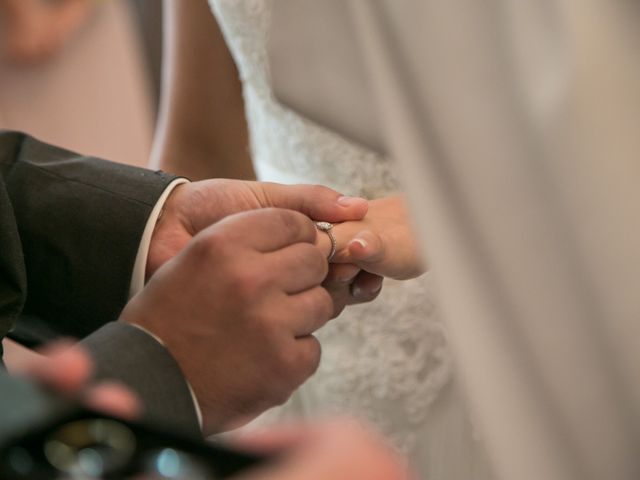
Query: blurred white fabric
x=515, y=125
x=388, y=361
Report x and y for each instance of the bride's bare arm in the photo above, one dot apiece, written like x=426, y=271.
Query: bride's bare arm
x=382, y=243
x=201, y=132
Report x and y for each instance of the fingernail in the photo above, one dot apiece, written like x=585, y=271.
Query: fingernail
x=359, y=241
x=359, y=292
x=346, y=201
x=349, y=278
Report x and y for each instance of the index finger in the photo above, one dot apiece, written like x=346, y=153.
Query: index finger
x=268, y=229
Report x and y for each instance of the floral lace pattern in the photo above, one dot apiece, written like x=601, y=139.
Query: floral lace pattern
x=385, y=361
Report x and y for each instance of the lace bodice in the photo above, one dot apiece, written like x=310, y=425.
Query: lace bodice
x=282, y=139
x=387, y=360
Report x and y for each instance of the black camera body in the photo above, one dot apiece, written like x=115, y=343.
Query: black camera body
x=44, y=437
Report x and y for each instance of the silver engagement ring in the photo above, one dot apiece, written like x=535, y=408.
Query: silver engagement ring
x=326, y=228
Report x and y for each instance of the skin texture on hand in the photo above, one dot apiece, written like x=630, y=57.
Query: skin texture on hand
x=236, y=308
x=336, y=450
x=382, y=243
x=192, y=207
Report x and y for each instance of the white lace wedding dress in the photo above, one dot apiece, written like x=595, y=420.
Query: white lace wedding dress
x=386, y=361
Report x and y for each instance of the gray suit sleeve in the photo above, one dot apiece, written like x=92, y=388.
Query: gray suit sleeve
x=129, y=355
x=77, y=223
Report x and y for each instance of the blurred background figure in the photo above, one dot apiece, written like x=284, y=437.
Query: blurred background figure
x=81, y=74
x=75, y=73
x=35, y=30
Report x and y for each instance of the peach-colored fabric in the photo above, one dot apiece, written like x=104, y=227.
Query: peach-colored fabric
x=93, y=97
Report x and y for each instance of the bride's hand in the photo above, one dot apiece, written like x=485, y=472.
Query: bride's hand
x=382, y=243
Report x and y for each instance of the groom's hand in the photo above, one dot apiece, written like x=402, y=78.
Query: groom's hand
x=237, y=308
x=349, y=285
x=192, y=207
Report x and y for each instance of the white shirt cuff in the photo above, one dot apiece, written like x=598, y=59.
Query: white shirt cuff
x=140, y=266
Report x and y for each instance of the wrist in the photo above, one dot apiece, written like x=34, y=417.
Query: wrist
x=169, y=229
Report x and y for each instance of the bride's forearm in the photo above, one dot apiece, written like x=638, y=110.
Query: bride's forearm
x=182, y=154
x=201, y=130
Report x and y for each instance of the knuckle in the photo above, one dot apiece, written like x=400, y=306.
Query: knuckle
x=211, y=243
x=281, y=396
x=325, y=304
x=314, y=261
x=318, y=304
x=284, y=381
x=286, y=361
x=273, y=390
x=302, y=362
x=267, y=326
x=290, y=223
x=298, y=225
x=318, y=191
x=321, y=308
x=319, y=262
x=310, y=357
x=245, y=283
x=339, y=304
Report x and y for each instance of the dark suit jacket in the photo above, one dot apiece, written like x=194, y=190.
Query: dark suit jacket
x=70, y=228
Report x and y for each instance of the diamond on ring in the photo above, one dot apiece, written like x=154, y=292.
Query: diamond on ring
x=326, y=228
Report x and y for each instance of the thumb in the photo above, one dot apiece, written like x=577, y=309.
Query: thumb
x=366, y=248
x=316, y=202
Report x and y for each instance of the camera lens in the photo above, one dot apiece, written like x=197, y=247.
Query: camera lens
x=90, y=448
x=20, y=462
x=173, y=464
